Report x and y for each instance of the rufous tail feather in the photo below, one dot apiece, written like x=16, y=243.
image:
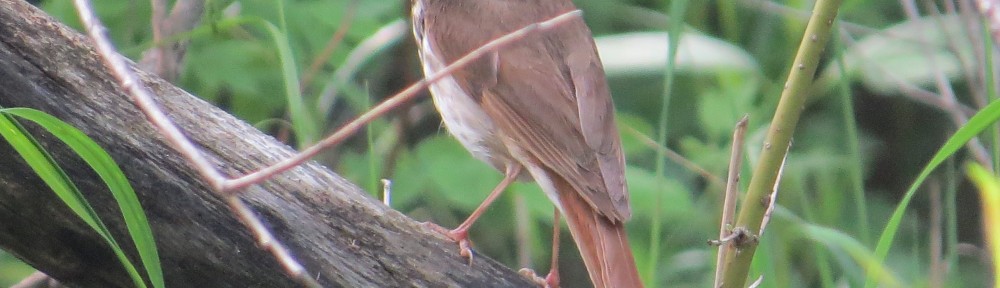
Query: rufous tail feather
x=602, y=243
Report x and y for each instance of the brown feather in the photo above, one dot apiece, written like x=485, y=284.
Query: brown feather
x=545, y=102
x=566, y=107
x=603, y=244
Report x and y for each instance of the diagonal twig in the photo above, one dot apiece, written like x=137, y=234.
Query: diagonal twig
x=166, y=56
x=673, y=155
x=178, y=141
x=331, y=45
x=406, y=95
x=779, y=135
x=991, y=11
x=228, y=188
x=945, y=90
x=732, y=192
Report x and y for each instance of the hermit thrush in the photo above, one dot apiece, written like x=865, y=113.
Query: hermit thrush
x=540, y=105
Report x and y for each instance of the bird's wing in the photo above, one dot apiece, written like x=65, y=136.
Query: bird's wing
x=546, y=93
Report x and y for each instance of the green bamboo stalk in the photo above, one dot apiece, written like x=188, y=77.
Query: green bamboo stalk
x=779, y=135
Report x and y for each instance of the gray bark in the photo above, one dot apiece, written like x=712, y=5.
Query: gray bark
x=342, y=236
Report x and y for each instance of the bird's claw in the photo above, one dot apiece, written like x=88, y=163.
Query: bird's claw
x=458, y=235
x=550, y=281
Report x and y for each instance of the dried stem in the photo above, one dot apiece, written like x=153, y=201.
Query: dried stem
x=37, y=280
x=387, y=192
x=732, y=192
x=991, y=11
x=176, y=139
x=779, y=136
x=947, y=94
x=402, y=97
x=773, y=197
x=678, y=158
x=228, y=188
x=159, y=13
x=382, y=38
x=523, y=231
x=331, y=45
x=142, y=97
x=166, y=56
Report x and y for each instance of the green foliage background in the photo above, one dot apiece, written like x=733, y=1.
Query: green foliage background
x=861, y=141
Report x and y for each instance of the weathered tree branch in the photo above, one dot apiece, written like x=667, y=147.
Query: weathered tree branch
x=343, y=237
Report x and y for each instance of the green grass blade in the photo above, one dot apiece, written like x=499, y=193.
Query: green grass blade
x=978, y=123
x=306, y=129
x=834, y=239
x=822, y=263
x=989, y=195
x=112, y=175
x=951, y=218
x=676, y=29
x=303, y=122
x=991, y=92
x=57, y=179
x=373, y=174
x=853, y=140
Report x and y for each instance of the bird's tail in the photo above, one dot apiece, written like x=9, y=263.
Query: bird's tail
x=602, y=243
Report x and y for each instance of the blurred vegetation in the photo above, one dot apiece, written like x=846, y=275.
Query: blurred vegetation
x=892, y=87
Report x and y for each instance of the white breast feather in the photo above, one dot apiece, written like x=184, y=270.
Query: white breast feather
x=461, y=114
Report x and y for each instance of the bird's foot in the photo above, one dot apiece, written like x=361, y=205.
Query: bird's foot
x=550, y=281
x=458, y=235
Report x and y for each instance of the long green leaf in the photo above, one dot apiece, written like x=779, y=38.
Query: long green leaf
x=676, y=30
x=112, y=175
x=989, y=195
x=977, y=124
x=306, y=129
x=834, y=239
x=303, y=122
x=47, y=169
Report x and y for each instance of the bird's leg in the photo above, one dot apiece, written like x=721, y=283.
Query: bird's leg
x=552, y=279
x=461, y=233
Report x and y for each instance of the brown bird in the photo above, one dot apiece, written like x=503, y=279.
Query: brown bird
x=541, y=106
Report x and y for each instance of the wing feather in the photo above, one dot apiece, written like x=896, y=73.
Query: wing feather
x=547, y=93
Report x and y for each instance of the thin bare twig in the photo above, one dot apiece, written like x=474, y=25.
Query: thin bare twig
x=166, y=56
x=338, y=37
x=732, y=193
x=973, y=32
x=970, y=33
x=388, y=34
x=267, y=242
x=406, y=95
x=909, y=89
x=37, y=280
x=945, y=90
x=677, y=158
x=958, y=112
x=387, y=192
x=142, y=97
x=227, y=188
x=523, y=231
x=774, y=193
x=179, y=142
x=159, y=13
x=991, y=11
